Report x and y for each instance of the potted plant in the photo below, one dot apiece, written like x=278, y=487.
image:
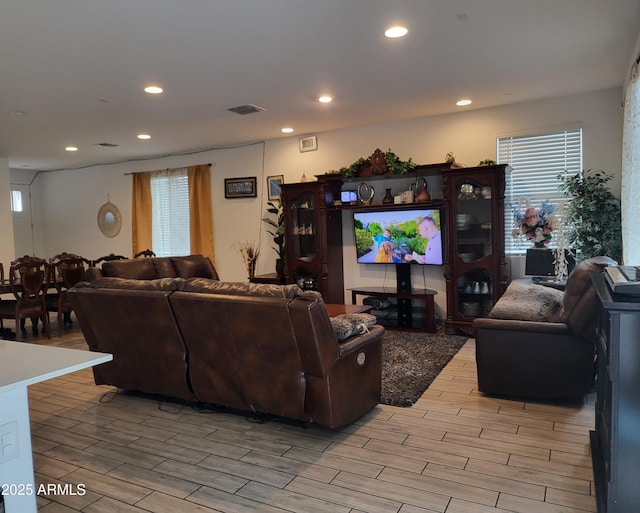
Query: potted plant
x=592, y=215
x=276, y=209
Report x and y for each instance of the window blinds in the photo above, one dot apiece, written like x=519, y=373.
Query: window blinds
x=170, y=224
x=536, y=161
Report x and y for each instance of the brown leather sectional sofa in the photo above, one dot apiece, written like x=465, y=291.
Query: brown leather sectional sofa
x=251, y=347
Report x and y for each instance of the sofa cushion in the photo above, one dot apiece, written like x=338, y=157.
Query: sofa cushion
x=164, y=267
x=347, y=325
x=139, y=269
x=194, y=266
x=526, y=301
x=211, y=286
x=167, y=284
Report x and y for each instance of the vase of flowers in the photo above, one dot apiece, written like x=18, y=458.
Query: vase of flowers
x=535, y=223
x=249, y=251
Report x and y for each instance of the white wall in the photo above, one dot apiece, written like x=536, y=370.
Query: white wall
x=69, y=200
x=7, y=250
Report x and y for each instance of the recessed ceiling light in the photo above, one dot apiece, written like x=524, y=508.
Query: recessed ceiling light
x=144, y=136
x=286, y=130
x=396, y=31
x=325, y=98
x=71, y=148
x=153, y=90
x=462, y=103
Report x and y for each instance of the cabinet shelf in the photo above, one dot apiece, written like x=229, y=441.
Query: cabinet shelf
x=392, y=206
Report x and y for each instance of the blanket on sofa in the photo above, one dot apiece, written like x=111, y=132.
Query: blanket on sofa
x=527, y=301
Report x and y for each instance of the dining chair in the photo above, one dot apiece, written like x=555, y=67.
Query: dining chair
x=66, y=271
x=107, y=258
x=147, y=253
x=28, y=279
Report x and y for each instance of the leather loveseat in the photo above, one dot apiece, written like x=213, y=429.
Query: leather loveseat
x=539, y=342
x=251, y=347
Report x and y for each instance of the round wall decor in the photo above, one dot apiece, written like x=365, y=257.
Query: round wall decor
x=109, y=219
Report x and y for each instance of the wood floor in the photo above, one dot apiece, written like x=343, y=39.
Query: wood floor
x=454, y=451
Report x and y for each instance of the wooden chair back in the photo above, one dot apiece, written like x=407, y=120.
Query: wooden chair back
x=147, y=253
x=29, y=281
x=107, y=258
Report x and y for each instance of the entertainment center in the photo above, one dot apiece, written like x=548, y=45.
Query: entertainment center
x=464, y=236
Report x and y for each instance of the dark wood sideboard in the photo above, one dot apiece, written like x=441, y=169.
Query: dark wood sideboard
x=615, y=443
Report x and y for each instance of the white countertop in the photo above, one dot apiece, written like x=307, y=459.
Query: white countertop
x=23, y=363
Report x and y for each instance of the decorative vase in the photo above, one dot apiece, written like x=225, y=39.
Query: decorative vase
x=422, y=192
x=251, y=267
x=388, y=198
x=540, y=245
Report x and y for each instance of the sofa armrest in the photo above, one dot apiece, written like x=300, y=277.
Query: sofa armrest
x=555, y=328
x=357, y=342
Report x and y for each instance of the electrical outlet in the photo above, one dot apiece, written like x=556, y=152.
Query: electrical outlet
x=9, y=448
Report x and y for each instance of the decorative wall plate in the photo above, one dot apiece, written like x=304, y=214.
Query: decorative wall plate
x=109, y=219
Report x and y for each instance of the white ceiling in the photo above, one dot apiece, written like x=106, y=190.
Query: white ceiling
x=60, y=59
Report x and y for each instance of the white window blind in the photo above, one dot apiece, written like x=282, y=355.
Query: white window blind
x=170, y=224
x=536, y=161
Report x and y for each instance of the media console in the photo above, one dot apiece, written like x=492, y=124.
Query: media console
x=404, y=315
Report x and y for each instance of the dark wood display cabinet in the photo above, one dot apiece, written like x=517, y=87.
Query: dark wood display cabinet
x=313, y=231
x=474, y=266
x=615, y=443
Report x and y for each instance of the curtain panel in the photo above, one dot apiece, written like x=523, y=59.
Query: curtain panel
x=630, y=193
x=141, y=213
x=201, y=212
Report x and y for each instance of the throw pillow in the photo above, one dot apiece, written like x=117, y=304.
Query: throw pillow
x=525, y=301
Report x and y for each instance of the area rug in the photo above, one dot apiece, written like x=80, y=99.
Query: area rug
x=411, y=361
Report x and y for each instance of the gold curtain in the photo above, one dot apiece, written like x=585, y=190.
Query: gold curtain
x=141, y=209
x=200, y=211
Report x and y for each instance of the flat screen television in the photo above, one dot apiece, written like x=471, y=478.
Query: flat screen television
x=399, y=235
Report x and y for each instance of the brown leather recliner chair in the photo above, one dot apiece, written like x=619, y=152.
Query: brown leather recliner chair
x=539, y=342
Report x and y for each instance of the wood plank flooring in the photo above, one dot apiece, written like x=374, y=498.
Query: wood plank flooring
x=454, y=451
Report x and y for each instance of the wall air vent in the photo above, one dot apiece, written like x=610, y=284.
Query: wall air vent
x=246, y=109
x=106, y=145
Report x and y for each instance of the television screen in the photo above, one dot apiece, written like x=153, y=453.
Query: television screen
x=395, y=236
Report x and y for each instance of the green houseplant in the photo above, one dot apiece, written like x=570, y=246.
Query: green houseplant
x=592, y=214
x=274, y=217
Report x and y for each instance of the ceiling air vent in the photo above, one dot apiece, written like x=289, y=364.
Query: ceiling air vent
x=106, y=145
x=246, y=109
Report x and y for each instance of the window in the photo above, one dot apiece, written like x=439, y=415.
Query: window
x=536, y=161
x=16, y=201
x=170, y=224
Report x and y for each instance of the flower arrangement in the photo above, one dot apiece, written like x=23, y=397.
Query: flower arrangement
x=249, y=251
x=535, y=223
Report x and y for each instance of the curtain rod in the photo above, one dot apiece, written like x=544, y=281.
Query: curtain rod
x=167, y=169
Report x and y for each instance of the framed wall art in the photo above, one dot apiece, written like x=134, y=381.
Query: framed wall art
x=240, y=187
x=308, y=143
x=273, y=186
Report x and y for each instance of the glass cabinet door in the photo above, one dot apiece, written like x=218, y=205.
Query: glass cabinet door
x=473, y=220
x=303, y=241
x=473, y=243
